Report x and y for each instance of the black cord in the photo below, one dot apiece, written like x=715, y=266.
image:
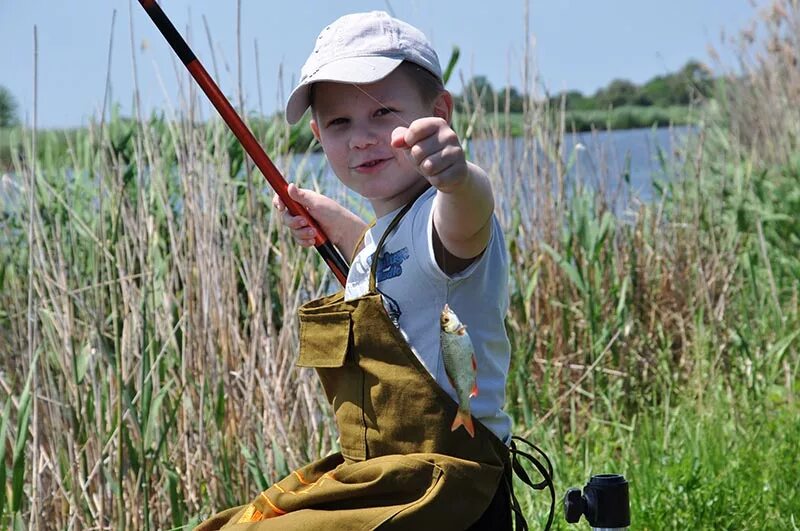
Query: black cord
x=547, y=480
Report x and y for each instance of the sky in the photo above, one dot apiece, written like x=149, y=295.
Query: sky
x=575, y=44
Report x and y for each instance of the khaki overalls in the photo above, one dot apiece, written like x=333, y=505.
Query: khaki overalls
x=400, y=466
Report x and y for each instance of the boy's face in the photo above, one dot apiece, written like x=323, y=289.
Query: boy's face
x=354, y=125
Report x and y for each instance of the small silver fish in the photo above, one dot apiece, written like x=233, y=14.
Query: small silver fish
x=460, y=365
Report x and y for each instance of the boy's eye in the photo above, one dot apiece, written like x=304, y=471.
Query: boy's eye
x=383, y=111
x=337, y=121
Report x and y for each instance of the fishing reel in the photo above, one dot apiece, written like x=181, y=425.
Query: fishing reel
x=604, y=502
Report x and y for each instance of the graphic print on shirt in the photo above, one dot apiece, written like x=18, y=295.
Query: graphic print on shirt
x=390, y=265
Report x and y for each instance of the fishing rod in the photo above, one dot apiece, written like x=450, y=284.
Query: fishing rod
x=323, y=245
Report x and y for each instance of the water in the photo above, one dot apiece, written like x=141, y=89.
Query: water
x=631, y=155
x=623, y=163
x=10, y=194
x=615, y=161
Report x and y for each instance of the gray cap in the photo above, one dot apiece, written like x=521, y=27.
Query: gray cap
x=360, y=48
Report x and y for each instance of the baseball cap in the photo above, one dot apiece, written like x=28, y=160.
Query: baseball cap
x=360, y=48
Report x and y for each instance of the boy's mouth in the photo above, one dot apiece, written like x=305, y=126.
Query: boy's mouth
x=371, y=164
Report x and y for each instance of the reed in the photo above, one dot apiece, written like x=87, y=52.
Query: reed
x=659, y=341
x=166, y=309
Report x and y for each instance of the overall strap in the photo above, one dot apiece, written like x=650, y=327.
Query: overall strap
x=360, y=241
x=392, y=225
x=547, y=481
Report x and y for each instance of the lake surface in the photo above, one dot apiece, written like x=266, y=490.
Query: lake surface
x=623, y=160
x=630, y=158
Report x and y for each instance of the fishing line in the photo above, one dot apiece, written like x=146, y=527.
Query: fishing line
x=373, y=98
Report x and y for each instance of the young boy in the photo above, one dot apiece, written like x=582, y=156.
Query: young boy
x=384, y=124
x=382, y=116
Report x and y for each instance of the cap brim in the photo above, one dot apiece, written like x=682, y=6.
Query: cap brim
x=349, y=70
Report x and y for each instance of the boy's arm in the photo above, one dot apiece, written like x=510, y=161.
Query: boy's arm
x=462, y=210
x=341, y=226
x=462, y=213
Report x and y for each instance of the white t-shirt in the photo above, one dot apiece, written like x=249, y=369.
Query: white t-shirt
x=415, y=290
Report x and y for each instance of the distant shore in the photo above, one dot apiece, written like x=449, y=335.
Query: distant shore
x=625, y=117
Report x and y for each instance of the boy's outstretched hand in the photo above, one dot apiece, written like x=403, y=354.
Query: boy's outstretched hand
x=340, y=225
x=462, y=212
x=435, y=149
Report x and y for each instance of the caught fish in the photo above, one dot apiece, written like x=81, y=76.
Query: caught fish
x=460, y=366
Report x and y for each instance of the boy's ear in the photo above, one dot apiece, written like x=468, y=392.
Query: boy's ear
x=314, y=128
x=443, y=106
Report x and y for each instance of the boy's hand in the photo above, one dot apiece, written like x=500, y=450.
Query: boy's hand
x=340, y=225
x=435, y=149
x=321, y=208
x=462, y=214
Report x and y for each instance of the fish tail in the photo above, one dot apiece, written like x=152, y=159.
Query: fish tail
x=463, y=418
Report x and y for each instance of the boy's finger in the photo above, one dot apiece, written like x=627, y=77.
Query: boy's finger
x=432, y=165
x=436, y=165
x=277, y=203
x=419, y=154
x=307, y=234
x=423, y=128
x=294, y=192
x=296, y=222
x=307, y=198
x=399, y=137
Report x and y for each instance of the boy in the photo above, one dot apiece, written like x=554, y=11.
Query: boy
x=381, y=114
x=388, y=138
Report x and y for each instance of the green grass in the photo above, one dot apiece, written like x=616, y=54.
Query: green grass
x=60, y=144
x=630, y=117
x=716, y=463
x=51, y=143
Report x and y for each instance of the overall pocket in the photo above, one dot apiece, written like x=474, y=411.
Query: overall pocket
x=326, y=345
x=324, y=338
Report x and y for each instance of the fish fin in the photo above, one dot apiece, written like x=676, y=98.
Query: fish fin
x=474, y=391
x=463, y=419
x=462, y=330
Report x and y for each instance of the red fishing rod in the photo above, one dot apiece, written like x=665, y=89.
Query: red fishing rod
x=248, y=141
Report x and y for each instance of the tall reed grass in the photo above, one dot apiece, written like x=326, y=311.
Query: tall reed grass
x=148, y=329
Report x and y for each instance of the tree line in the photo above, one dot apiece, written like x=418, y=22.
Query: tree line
x=8, y=108
x=692, y=81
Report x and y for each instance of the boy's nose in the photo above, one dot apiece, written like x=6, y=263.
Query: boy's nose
x=363, y=138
